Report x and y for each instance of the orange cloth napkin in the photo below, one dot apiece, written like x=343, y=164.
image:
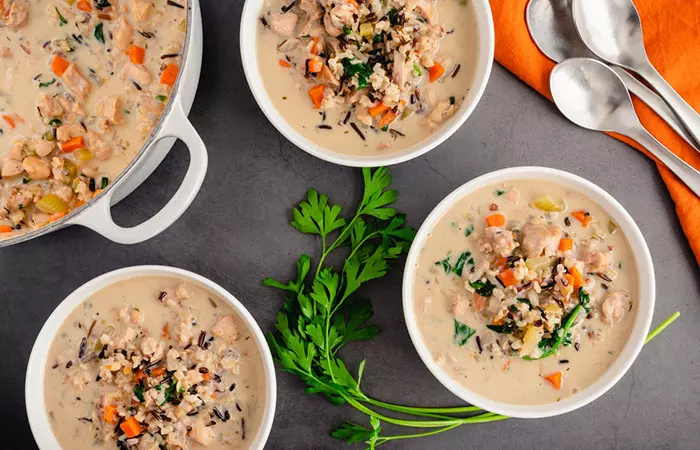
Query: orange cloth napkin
x=672, y=37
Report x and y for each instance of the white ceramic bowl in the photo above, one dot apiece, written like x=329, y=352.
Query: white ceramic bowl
x=645, y=311
x=482, y=70
x=34, y=384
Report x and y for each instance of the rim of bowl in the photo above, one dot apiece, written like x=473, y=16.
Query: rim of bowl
x=646, y=300
x=482, y=72
x=34, y=383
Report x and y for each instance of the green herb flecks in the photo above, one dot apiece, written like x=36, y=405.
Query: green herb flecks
x=99, y=33
x=469, y=230
x=323, y=312
x=483, y=288
x=393, y=15
x=161, y=98
x=453, y=100
x=360, y=69
x=445, y=263
x=104, y=182
x=138, y=392
x=559, y=336
x=347, y=30
x=47, y=84
x=379, y=37
x=464, y=258
x=462, y=333
x=170, y=394
x=499, y=192
x=584, y=299
x=417, y=69
x=504, y=328
x=61, y=19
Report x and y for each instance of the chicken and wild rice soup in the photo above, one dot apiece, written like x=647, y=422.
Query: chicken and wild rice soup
x=525, y=292
x=154, y=363
x=367, y=76
x=82, y=84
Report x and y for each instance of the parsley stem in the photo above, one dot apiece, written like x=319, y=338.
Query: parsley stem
x=385, y=439
x=418, y=410
x=662, y=327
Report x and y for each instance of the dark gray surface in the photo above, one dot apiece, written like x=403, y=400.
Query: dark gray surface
x=236, y=234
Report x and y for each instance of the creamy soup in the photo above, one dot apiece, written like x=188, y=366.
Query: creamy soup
x=82, y=84
x=525, y=292
x=367, y=76
x=154, y=363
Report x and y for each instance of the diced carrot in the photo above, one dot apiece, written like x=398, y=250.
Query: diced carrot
x=496, y=220
x=507, y=277
x=206, y=376
x=84, y=5
x=353, y=3
x=10, y=121
x=136, y=54
x=478, y=302
x=500, y=261
x=57, y=216
x=285, y=63
x=388, y=118
x=316, y=95
x=96, y=193
x=436, y=72
x=109, y=414
x=566, y=244
x=376, y=110
x=140, y=375
x=583, y=217
x=315, y=48
x=5, y=229
x=59, y=65
x=498, y=322
x=505, y=367
x=73, y=144
x=166, y=331
x=169, y=75
x=555, y=379
x=315, y=66
x=578, y=278
x=158, y=371
x=131, y=427
x=569, y=279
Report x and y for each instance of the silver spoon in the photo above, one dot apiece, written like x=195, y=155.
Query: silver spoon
x=613, y=31
x=592, y=96
x=552, y=28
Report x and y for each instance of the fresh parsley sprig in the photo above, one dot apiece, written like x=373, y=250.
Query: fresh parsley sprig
x=323, y=311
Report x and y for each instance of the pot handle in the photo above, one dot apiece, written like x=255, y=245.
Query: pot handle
x=99, y=217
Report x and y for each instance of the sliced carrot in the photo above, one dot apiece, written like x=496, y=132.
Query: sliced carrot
x=583, y=217
x=131, y=427
x=136, y=54
x=578, y=278
x=59, y=65
x=353, y=3
x=285, y=63
x=498, y=322
x=496, y=220
x=5, y=229
x=109, y=414
x=316, y=95
x=10, y=121
x=158, y=371
x=206, y=376
x=57, y=216
x=376, y=110
x=169, y=75
x=315, y=48
x=505, y=367
x=96, y=193
x=566, y=244
x=166, y=331
x=569, y=279
x=140, y=375
x=315, y=66
x=84, y=5
x=73, y=144
x=507, y=277
x=436, y=72
x=500, y=261
x=555, y=379
x=388, y=118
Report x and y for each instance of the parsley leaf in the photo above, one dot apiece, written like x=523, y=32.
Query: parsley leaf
x=469, y=230
x=462, y=333
x=464, y=258
x=483, y=288
x=362, y=70
x=138, y=392
x=505, y=328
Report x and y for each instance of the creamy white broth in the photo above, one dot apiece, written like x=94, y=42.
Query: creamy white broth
x=41, y=110
x=288, y=89
x=224, y=371
x=488, y=365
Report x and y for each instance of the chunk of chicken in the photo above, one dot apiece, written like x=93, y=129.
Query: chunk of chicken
x=49, y=106
x=540, y=238
x=36, y=168
x=499, y=241
x=141, y=9
x=111, y=109
x=178, y=437
x=100, y=149
x=331, y=29
x=152, y=348
x=77, y=83
x=138, y=73
x=123, y=35
x=596, y=261
x=442, y=111
x=225, y=328
x=42, y=148
x=19, y=199
x=459, y=305
x=327, y=77
x=312, y=24
x=64, y=192
x=16, y=16
x=17, y=150
x=65, y=132
x=363, y=115
x=343, y=15
x=400, y=70
x=426, y=8
x=284, y=24
x=202, y=433
x=614, y=306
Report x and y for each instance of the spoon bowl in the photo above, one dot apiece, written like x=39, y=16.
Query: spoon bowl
x=552, y=28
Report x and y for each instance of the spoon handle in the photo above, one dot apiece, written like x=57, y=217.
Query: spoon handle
x=683, y=170
x=654, y=102
x=689, y=117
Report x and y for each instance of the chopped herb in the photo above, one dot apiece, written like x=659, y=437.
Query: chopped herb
x=379, y=37
x=169, y=392
x=619, y=265
x=393, y=15
x=416, y=67
x=445, y=263
x=26, y=180
x=584, y=299
x=99, y=33
x=102, y=4
x=483, y=288
x=55, y=123
x=452, y=100
x=43, y=85
x=347, y=30
x=499, y=193
x=104, y=182
x=462, y=333
x=465, y=257
x=385, y=128
x=161, y=98
x=526, y=301
x=91, y=185
x=469, y=230
x=361, y=69
x=138, y=392
x=60, y=17
x=560, y=336
x=505, y=328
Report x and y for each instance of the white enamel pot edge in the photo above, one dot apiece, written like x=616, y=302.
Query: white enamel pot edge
x=173, y=124
x=34, y=382
x=482, y=71
x=645, y=302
